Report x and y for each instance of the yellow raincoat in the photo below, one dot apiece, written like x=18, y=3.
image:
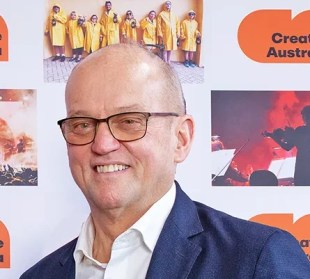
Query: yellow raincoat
x=93, y=32
x=76, y=34
x=168, y=27
x=128, y=31
x=189, y=33
x=58, y=31
x=111, y=35
x=149, y=31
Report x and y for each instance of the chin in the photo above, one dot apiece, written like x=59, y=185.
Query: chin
x=110, y=198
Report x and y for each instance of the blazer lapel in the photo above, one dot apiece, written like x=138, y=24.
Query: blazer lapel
x=175, y=254
x=67, y=263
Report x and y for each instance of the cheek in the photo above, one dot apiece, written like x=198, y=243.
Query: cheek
x=78, y=159
x=73, y=154
x=157, y=153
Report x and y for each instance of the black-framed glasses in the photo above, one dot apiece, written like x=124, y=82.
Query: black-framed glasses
x=191, y=14
x=125, y=127
x=129, y=13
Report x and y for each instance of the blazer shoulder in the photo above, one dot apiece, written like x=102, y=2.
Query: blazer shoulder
x=61, y=260
x=265, y=251
x=230, y=247
x=231, y=229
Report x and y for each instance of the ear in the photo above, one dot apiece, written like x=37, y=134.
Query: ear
x=185, y=135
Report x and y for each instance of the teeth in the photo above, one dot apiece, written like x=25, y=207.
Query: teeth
x=111, y=168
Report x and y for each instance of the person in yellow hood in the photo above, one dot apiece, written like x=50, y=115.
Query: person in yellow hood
x=189, y=35
x=56, y=28
x=93, y=34
x=148, y=25
x=129, y=27
x=168, y=28
x=76, y=35
x=110, y=21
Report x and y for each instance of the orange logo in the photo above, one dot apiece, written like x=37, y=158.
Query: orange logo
x=4, y=41
x=300, y=228
x=4, y=247
x=279, y=37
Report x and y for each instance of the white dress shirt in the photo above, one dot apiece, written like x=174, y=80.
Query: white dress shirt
x=131, y=251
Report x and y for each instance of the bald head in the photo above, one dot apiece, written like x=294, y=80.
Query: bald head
x=134, y=65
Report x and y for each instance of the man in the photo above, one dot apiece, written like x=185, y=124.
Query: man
x=76, y=35
x=168, y=28
x=189, y=36
x=56, y=29
x=93, y=34
x=110, y=22
x=148, y=25
x=124, y=142
x=299, y=137
x=129, y=27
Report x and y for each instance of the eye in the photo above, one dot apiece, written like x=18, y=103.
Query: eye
x=81, y=126
x=130, y=122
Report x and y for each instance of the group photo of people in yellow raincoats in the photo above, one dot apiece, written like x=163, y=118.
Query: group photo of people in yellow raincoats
x=75, y=29
x=75, y=33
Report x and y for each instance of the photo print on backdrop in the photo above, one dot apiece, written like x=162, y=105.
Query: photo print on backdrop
x=260, y=138
x=73, y=30
x=18, y=152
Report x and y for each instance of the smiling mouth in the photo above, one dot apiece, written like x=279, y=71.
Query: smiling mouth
x=111, y=168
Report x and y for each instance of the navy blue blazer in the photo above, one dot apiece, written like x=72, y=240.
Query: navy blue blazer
x=200, y=242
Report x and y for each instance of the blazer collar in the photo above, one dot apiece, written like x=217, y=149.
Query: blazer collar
x=175, y=254
x=66, y=261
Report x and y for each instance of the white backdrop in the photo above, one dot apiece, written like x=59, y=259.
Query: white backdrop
x=41, y=218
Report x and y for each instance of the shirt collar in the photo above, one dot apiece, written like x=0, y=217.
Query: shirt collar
x=149, y=225
x=84, y=245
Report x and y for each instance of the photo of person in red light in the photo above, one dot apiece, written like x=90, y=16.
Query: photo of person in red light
x=263, y=130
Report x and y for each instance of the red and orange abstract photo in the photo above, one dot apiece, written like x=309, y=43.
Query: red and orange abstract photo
x=260, y=138
x=18, y=151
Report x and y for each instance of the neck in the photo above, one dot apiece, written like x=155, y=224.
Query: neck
x=109, y=223
x=108, y=226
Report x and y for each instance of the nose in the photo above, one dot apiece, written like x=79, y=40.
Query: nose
x=104, y=141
